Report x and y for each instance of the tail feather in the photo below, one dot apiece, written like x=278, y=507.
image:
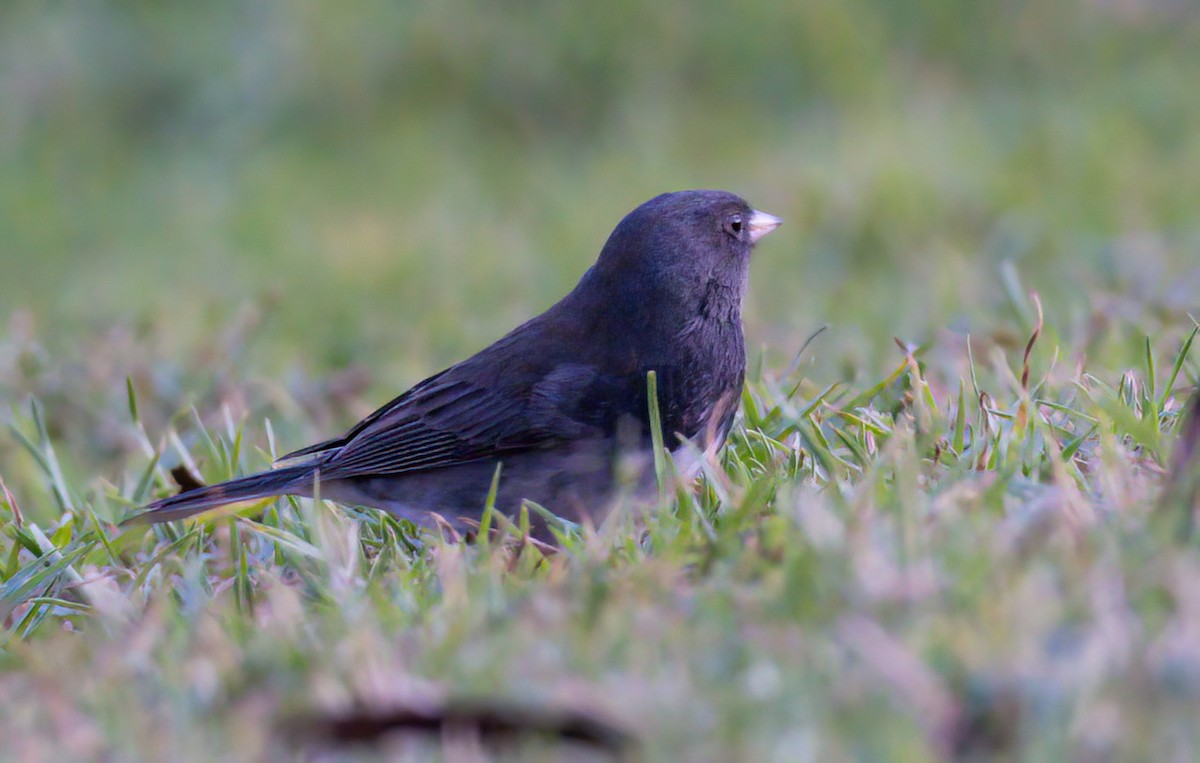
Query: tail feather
x=249, y=488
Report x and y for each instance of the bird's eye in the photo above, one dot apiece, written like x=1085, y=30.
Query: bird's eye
x=733, y=226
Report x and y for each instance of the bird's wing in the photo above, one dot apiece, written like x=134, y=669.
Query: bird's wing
x=452, y=419
x=327, y=447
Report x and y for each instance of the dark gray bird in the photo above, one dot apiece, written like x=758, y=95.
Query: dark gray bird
x=560, y=400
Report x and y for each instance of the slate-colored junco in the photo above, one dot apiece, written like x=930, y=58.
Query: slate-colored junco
x=560, y=398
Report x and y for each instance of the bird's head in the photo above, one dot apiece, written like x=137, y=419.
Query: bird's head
x=682, y=241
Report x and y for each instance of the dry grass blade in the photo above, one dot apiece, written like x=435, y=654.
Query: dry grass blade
x=1187, y=448
x=1033, y=337
x=1023, y=407
x=18, y=520
x=1181, y=492
x=185, y=478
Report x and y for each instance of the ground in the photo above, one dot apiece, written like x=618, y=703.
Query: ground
x=955, y=515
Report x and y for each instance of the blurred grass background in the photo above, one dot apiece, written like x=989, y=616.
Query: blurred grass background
x=299, y=209
x=264, y=205
x=404, y=181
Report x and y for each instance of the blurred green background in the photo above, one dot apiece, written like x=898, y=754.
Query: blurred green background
x=390, y=186
x=291, y=211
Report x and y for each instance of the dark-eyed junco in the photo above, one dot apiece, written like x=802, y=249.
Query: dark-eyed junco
x=560, y=398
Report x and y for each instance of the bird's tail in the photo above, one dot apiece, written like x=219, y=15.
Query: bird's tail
x=262, y=485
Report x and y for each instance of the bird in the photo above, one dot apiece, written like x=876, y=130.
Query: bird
x=560, y=405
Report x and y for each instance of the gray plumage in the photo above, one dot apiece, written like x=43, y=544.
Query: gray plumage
x=561, y=399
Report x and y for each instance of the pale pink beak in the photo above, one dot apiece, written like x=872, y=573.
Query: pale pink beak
x=761, y=224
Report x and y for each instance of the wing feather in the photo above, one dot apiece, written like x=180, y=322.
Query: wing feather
x=448, y=422
x=452, y=419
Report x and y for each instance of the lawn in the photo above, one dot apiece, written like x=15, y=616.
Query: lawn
x=954, y=519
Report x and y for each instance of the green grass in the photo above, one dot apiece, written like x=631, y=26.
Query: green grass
x=890, y=572
x=229, y=232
